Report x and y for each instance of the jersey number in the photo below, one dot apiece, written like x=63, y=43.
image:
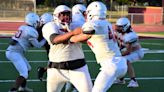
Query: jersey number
x=111, y=34
x=90, y=44
x=18, y=34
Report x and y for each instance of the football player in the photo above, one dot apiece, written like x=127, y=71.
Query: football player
x=129, y=47
x=78, y=16
x=67, y=61
x=44, y=18
x=78, y=13
x=98, y=34
x=25, y=37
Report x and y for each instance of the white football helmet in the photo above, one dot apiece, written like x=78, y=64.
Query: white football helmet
x=45, y=18
x=123, y=23
x=32, y=19
x=96, y=10
x=79, y=9
x=62, y=10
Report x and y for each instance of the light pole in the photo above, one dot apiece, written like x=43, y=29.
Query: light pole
x=34, y=2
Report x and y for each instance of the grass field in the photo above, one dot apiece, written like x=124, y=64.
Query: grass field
x=149, y=70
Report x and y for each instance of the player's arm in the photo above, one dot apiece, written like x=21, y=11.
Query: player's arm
x=33, y=39
x=85, y=34
x=60, y=38
x=80, y=38
x=130, y=46
x=36, y=43
x=64, y=38
x=126, y=50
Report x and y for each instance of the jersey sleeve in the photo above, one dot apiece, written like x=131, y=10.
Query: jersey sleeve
x=33, y=33
x=49, y=29
x=131, y=38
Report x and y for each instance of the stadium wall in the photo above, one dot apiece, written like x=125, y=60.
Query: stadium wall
x=150, y=15
x=13, y=26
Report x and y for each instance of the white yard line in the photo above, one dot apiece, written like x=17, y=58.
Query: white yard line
x=139, y=78
x=91, y=61
x=152, y=43
x=140, y=42
x=146, y=51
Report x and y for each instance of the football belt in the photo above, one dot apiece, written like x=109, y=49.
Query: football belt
x=68, y=65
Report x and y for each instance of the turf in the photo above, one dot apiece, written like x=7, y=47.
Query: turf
x=149, y=71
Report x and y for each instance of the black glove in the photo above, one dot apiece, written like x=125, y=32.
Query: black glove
x=41, y=71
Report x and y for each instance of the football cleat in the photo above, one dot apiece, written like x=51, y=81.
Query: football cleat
x=21, y=89
x=41, y=71
x=133, y=84
x=118, y=81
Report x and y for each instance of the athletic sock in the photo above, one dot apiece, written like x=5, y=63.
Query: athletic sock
x=133, y=78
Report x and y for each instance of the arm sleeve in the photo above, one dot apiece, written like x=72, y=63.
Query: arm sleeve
x=37, y=44
x=48, y=30
x=33, y=38
x=131, y=38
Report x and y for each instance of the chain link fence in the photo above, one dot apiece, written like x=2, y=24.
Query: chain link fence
x=15, y=10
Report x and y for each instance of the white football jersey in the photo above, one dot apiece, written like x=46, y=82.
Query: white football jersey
x=130, y=37
x=24, y=35
x=100, y=43
x=61, y=52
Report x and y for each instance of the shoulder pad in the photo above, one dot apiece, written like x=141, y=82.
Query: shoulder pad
x=32, y=32
x=88, y=28
x=131, y=37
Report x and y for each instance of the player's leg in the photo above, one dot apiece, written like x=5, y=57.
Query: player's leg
x=69, y=87
x=121, y=67
x=56, y=79
x=81, y=79
x=131, y=71
x=133, y=82
x=106, y=76
x=41, y=70
x=133, y=57
x=20, y=65
x=23, y=86
x=121, y=70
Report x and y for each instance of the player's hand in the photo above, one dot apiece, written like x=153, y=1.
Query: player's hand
x=77, y=31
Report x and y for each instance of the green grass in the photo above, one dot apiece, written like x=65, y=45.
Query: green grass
x=158, y=33
x=142, y=68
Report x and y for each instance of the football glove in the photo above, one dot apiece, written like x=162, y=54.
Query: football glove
x=41, y=71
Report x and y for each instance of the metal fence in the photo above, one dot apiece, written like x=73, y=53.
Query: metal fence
x=140, y=18
x=135, y=18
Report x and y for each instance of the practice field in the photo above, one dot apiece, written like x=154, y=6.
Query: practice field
x=149, y=70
